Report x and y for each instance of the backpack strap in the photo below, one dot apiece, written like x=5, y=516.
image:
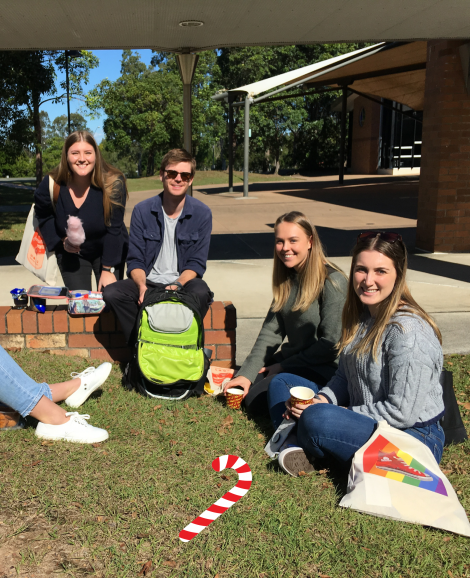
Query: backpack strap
x=54, y=192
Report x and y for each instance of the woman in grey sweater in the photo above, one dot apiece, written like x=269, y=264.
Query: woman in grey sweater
x=308, y=297
x=389, y=368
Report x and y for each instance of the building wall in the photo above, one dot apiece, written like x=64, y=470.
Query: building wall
x=444, y=188
x=365, y=138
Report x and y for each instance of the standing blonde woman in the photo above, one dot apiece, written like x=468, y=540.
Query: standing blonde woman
x=389, y=368
x=96, y=193
x=308, y=297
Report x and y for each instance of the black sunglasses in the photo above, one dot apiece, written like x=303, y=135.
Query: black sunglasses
x=387, y=237
x=185, y=177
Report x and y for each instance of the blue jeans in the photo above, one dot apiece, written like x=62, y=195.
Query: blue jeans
x=18, y=390
x=325, y=429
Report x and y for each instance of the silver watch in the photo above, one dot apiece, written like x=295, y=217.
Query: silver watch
x=110, y=269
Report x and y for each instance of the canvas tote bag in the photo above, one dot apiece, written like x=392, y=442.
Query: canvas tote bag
x=396, y=476
x=33, y=253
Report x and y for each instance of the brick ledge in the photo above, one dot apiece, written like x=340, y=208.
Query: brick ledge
x=100, y=336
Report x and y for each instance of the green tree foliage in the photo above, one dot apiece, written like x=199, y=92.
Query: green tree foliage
x=125, y=163
x=59, y=126
x=54, y=134
x=303, y=131
x=144, y=110
x=29, y=80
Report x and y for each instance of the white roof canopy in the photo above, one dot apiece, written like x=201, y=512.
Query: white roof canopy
x=300, y=74
x=393, y=70
x=101, y=24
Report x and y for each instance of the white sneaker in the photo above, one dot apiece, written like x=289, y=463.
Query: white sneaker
x=91, y=379
x=75, y=430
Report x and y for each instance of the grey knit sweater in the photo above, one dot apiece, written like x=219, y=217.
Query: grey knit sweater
x=311, y=335
x=402, y=387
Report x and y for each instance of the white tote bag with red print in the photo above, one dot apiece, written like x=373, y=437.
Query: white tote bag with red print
x=33, y=253
x=396, y=476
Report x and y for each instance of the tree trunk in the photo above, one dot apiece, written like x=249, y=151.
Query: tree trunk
x=139, y=164
x=37, y=138
x=150, y=163
x=277, y=165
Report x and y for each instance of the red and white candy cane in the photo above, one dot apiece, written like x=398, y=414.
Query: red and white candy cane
x=227, y=500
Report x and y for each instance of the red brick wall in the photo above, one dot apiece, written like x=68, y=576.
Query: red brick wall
x=444, y=194
x=365, y=139
x=100, y=337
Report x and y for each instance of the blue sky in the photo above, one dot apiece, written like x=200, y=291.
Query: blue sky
x=110, y=66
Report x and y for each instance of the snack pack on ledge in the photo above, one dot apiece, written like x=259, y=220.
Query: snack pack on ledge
x=80, y=302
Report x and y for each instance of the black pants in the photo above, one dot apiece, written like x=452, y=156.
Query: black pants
x=256, y=401
x=77, y=270
x=123, y=298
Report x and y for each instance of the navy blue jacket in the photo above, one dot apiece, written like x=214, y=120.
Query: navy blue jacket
x=192, y=235
x=108, y=242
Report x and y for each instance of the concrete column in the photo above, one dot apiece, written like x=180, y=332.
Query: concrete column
x=246, y=152
x=187, y=65
x=444, y=187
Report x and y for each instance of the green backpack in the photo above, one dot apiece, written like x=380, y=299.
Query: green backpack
x=169, y=359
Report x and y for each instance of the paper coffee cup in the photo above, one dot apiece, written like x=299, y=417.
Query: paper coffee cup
x=234, y=397
x=303, y=395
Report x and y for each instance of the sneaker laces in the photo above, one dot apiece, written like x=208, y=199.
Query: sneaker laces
x=77, y=418
x=87, y=371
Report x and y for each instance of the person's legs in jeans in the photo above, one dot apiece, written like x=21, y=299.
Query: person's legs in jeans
x=24, y=395
x=76, y=271
x=122, y=297
x=432, y=436
x=200, y=289
x=279, y=393
x=328, y=430
x=256, y=401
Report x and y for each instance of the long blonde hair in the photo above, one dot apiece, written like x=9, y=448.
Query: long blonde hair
x=104, y=176
x=399, y=299
x=312, y=275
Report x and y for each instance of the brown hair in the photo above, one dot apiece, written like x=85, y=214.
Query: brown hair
x=399, y=298
x=312, y=275
x=104, y=176
x=176, y=156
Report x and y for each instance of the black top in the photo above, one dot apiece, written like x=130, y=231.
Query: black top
x=100, y=240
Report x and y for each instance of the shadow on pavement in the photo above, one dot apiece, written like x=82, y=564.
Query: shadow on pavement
x=397, y=197
x=337, y=242
x=455, y=271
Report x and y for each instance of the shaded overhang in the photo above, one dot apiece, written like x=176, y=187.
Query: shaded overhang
x=392, y=70
x=205, y=24
x=397, y=73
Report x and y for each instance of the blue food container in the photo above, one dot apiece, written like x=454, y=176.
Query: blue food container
x=20, y=298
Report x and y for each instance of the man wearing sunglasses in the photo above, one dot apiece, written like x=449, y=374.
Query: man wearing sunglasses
x=168, y=244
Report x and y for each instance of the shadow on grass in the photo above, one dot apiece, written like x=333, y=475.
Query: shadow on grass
x=335, y=472
x=10, y=249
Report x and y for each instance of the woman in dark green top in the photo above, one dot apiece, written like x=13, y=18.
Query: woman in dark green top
x=308, y=297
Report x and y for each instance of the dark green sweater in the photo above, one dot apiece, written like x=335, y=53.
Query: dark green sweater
x=311, y=335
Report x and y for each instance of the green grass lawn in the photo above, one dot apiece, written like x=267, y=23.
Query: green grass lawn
x=12, y=224
x=78, y=510
x=20, y=195
x=206, y=178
